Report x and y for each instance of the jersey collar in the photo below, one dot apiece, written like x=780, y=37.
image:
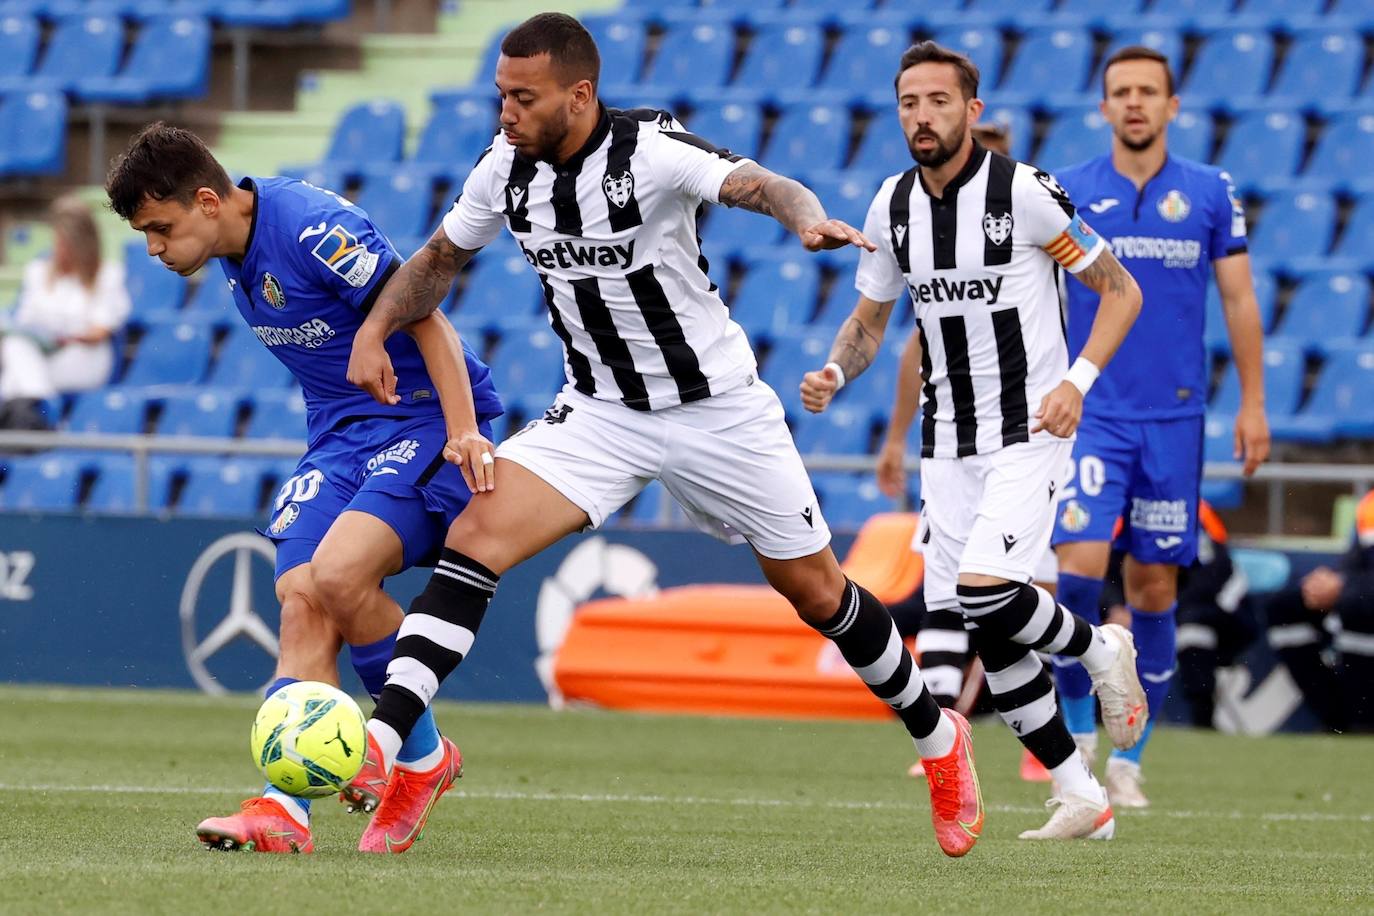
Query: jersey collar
x=574, y=162
x=248, y=184
x=975, y=162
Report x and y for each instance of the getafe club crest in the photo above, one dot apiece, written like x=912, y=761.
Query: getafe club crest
x=272, y=292
x=1174, y=206
x=997, y=228
x=619, y=188
x=284, y=518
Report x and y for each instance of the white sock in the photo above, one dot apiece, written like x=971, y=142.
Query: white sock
x=1074, y=778
x=1101, y=653
x=427, y=762
x=387, y=740
x=293, y=805
x=1087, y=742
x=939, y=742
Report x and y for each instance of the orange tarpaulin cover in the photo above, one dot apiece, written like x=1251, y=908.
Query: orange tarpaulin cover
x=731, y=649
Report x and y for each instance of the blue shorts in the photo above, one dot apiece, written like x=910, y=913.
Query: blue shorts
x=1146, y=473
x=392, y=471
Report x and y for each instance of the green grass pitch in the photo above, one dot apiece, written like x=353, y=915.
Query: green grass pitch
x=593, y=812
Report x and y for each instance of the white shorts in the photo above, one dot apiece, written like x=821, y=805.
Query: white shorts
x=729, y=460
x=988, y=514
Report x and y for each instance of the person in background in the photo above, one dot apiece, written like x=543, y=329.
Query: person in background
x=72, y=303
x=1322, y=629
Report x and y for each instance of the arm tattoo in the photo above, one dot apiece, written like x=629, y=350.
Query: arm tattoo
x=856, y=346
x=758, y=190
x=420, y=285
x=1106, y=275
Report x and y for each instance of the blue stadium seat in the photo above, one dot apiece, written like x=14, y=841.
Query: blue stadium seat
x=530, y=363
x=1340, y=405
x=368, y=133
x=173, y=353
x=849, y=500
x=276, y=415
x=783, y=56
x=982, y=45
x=1266, y=294
x=778, y=293
x=170, y=60
x=729, y=124
x=501, y=287
x=243, y=362
x=1294, y=225
x=33, y=133
x=884, y=148
x=1262, y=144
x=1360, y=12
x=114, y=489
x=1168, y=42
x=836, y=7
x=19, y=37
x=1190, y=136
x=1321, y=66
x=647, y=509
x=1077, y=134
x=729, y=230
x=455, y=136
x=265, y=14
x=692, y=54
x=1283, y=10
x=621, y=42
x=1345, y=150
x=1359, y=229
x=398, y=200
x=1218, y=443
x=1017, y=123
x=790, y=357
x=1090, y=8
x=1327, y=305
x=114, y=411
x=742, y=6
x=844, y=429
x=203, y=412
x=1284, y=370
x=81, y=47
x=221, y=487
x=1013, y=10
x=1182, y=9
x=325, y=175
x=153, y=289
x=862, y=59
x=1232, y=63
x=846, y=195
x=50, y=482
x=1050, y=61
x=808, y=136
x=212, y=301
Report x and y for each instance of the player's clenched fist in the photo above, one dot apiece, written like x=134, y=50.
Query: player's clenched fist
x=475, y=456
x=817, y=388
x=369, y=367
x=1060, y=411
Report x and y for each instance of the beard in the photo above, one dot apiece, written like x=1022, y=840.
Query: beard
x=1138, y=146
x=943, y=150
x=551, y=137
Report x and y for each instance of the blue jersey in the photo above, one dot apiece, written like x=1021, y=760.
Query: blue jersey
x=313, y=267
x=1167, y=235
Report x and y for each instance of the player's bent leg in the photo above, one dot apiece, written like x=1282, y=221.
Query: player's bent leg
x=309, y=650
x=864, y=632
x=1082, y=569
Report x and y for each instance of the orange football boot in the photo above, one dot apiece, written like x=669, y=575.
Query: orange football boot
x=408, y=801
x=262, y=825
x=365, y=792
x=956, y=801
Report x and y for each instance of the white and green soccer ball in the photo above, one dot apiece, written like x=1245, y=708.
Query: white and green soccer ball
x=309, y=739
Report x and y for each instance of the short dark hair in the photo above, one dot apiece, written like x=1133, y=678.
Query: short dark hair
x=569, y=45
x=162, y=163
x=928, y=52
x=1139, y=52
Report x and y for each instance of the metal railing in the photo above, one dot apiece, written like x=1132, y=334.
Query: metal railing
x=1276, y=477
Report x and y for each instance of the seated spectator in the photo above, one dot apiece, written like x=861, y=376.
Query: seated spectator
x=1323, y=631
x=71, y=304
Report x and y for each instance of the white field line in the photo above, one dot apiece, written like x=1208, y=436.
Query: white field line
x=593, y=798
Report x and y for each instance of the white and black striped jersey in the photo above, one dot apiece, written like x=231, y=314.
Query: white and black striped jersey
x=980, y=264
x=612, y=233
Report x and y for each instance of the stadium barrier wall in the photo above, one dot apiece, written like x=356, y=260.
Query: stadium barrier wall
x=179, y=603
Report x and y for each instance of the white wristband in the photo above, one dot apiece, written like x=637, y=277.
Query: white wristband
x=839, y=374
x=1082, y=374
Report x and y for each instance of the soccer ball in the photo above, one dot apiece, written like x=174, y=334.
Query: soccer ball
x=309, y=739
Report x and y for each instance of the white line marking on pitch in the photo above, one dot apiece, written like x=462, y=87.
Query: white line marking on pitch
x=514, y=795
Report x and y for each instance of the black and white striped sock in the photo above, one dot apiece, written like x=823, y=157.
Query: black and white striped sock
x=863, y=631
x=1027, y=615
x=436, y=635
x=1023, y=695
x=943, y=645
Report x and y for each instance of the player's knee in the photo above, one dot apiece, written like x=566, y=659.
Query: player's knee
x=1154, y=592
x=338, y=588
x=306, y=632
x=815, y=596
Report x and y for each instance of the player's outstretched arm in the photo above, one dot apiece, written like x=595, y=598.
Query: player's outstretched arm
x=791, y=203
x=412, y=293
x=1062, y=408
x=442, y=350
x=855, y=346
x=1246, y=332
x=891, y=468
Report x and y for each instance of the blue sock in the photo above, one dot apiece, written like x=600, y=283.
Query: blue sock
x=289, y=802
x=1155, y=660
x=1081, y=596
x=370, y=663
